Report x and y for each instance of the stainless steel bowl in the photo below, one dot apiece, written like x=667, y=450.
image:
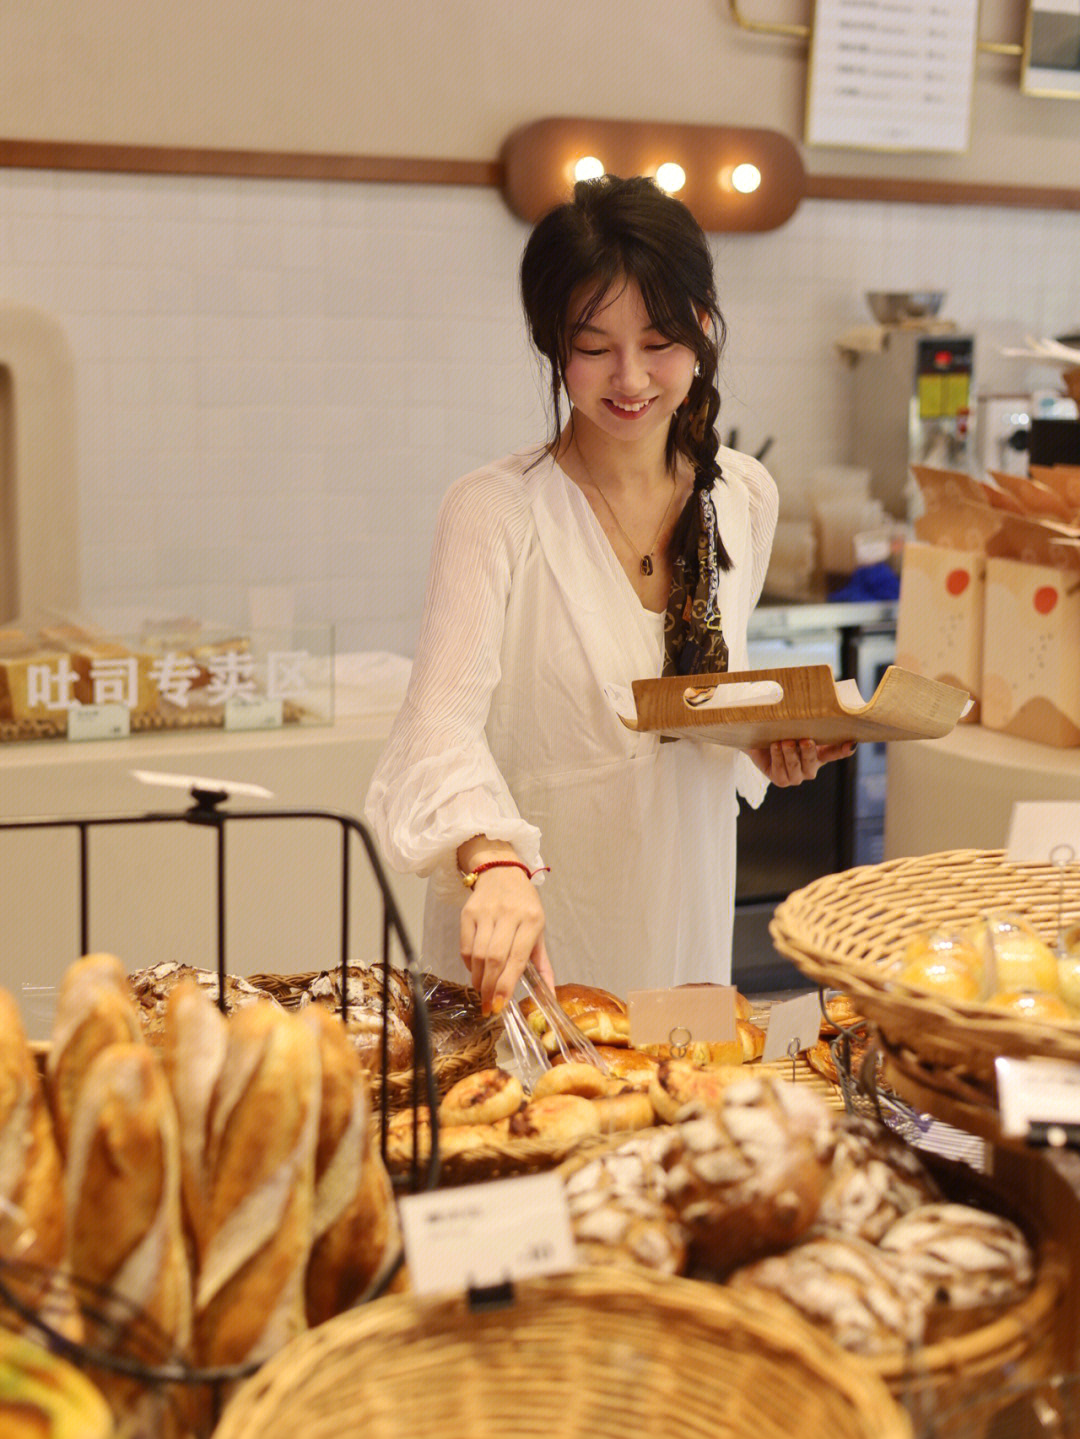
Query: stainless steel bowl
x=890, y=306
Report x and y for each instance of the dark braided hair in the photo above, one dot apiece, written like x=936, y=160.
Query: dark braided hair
x=610, y=232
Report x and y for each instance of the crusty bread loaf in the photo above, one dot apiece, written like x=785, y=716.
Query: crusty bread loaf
x=94, y=1009
x=353, y=1222
x=122, y=1188
x=194, y=1042
x=33, y=1225
x=260, y=1167
x=858, y=1294
x=874, y=1178
x=151, y=989
x=748, y=1174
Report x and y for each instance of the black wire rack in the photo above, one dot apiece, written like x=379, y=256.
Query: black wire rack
x=123, y=1347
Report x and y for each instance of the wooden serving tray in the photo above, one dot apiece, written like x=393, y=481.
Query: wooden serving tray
x=904, y=706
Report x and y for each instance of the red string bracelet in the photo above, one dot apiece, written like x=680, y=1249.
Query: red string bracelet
x=468, y=880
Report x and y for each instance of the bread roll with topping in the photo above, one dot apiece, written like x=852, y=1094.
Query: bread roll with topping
x=260, y=1173
x=33, y=1225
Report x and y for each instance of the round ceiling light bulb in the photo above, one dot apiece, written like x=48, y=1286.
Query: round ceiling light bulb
x=588, y=168
x=745, y=178
x=670, y=177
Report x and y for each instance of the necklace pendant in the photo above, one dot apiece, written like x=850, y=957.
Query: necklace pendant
x=646, y=564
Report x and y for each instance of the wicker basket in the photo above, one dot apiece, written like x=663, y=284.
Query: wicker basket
x=1032, y=1339
x=845, y=930
x=584, y=1356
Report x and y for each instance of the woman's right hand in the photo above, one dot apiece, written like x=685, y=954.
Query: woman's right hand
x=502, y=928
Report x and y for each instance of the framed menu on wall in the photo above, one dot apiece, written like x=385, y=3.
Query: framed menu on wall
x=1052, y=49
x=892, y=74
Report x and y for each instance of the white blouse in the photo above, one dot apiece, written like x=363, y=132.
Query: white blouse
x=505, y=730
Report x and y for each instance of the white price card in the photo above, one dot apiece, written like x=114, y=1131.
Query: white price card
x=794, y=1025
x=1044, y=832
x=481, y=1235
x=108, y=721
x=257, y=713
x=1041, y=1095
x=682, y=1015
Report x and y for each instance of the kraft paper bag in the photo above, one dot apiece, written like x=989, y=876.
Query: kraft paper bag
x=939, y=624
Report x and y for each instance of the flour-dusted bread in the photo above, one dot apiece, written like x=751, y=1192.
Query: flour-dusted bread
x=152, y=987
x=353, y=1223
x=875, y=1177
x=748, y=1175
x=260, y=1176
x=619, y=1211
x=94, y=1009
x=971, y=1262
x=860, y=1295
x=33, y=1224
x=125, y=1232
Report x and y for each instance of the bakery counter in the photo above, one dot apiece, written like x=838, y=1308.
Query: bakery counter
x=152, y=888
x=958, y=792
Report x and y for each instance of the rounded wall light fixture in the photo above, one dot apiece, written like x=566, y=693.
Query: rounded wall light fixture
x=761, y=176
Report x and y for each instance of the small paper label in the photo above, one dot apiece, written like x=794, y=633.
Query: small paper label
x=794, y=1025
x=481, y=1235
x=110, y=721
x=679, y=1016
x=1044, y=832
x=254, y=714
x=1033, y=1092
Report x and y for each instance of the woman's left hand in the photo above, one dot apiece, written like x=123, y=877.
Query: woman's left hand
x=790, y=761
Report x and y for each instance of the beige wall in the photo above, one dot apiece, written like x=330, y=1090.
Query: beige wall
x=450, y=78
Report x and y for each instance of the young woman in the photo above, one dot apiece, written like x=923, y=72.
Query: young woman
x=630, y=545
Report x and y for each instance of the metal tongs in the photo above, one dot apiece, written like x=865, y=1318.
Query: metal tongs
x=530, y=1055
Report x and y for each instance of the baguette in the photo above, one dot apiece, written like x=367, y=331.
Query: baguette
x=33, y=1229
x=260, y=1169
x=122, y=1190
x=353, y=1217
x=194, y=1041
x=94, y=1009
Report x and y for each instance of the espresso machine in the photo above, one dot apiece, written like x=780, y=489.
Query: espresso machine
x=912, y=405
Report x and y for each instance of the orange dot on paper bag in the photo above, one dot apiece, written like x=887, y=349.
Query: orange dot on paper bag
x=1044, y=599
x=956, y=582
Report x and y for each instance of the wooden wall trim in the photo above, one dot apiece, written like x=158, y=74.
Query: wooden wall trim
x=251, y=164
x=940, y=192
x=390, y=169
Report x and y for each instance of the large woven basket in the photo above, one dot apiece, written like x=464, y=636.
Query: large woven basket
x=845, y=931
x=1030, y=1340
x=585, y=1356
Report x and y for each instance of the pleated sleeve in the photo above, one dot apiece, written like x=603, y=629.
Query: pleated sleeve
x=437, y=784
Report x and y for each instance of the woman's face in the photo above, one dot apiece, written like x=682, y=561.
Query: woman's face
x=622, y=375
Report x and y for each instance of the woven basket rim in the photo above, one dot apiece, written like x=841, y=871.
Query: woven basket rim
x=588, y=1302
x=807, y=928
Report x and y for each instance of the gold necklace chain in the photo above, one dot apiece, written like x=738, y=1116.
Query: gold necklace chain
x=645, y=561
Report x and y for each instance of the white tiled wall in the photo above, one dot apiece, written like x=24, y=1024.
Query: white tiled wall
x=277, y=380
